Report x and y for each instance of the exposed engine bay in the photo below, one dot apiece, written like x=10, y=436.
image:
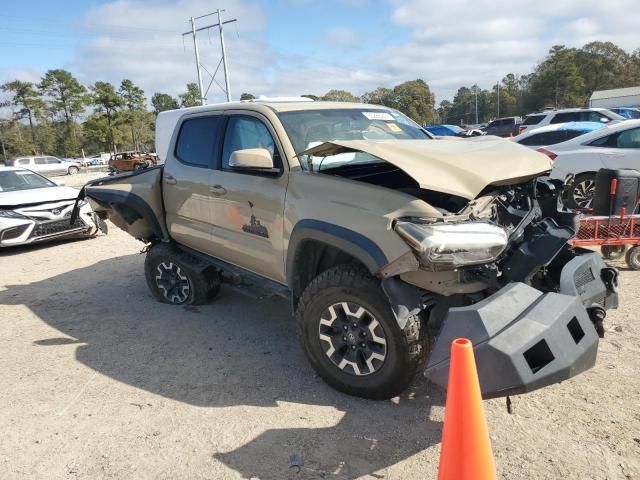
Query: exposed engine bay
x=511, y=233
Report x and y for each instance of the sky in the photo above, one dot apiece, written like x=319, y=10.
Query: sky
x=295, y=47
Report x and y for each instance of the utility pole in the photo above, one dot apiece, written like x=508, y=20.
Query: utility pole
x=197, y=53
x=498, y=100
x=475, y=90
x=224, y=55
x=223, y=60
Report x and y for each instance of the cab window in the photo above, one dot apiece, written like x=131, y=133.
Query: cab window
x=40, y=160
x=247, y=132
x=197, y=140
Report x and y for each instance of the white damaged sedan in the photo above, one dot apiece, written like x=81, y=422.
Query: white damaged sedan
x=34, y=209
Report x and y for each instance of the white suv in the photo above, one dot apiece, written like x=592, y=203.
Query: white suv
x=548, y=117
x=47, y=166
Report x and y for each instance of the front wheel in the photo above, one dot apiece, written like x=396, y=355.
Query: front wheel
x=352, y=339
x=612, y=252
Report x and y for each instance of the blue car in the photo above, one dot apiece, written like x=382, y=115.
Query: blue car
x=444, y=130
x=627, y=112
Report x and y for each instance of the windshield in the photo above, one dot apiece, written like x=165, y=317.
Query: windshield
x=15, y=180
x=309, y=128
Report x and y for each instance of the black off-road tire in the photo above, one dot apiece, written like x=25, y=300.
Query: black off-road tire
x=406, y=348
x=196, y=284
x=613, y=252
x=633, y=257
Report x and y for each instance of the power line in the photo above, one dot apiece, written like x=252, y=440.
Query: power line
x=194, y=33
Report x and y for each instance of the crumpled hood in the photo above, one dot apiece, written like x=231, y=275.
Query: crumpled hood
x=37, y=195
x=463, y=167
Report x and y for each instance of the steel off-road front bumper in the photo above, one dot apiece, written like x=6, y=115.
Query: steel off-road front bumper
x=525, y=339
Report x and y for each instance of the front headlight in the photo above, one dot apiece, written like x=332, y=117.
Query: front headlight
x=10, y=214
x=454, y=244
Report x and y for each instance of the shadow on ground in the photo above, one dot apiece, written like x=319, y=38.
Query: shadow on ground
x=236, y=351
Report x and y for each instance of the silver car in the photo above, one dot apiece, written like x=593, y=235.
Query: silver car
x=34, y=209
x=47, y=165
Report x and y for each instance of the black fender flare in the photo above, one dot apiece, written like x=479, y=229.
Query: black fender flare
x=128, y=205
x=349, y=241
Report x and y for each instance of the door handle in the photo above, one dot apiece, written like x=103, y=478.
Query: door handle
x=170, y=179
x=217, y=190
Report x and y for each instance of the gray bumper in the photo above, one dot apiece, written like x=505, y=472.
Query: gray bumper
x=525, y=339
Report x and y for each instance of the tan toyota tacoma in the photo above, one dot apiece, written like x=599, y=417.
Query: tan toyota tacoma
x=388, y=242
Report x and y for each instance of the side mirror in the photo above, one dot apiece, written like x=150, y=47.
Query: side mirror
x=604, y=119
x=252, y=158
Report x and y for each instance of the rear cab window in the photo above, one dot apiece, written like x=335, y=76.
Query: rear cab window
x=198, y=140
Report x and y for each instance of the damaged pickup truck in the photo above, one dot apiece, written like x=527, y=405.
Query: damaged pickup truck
x=388, y=242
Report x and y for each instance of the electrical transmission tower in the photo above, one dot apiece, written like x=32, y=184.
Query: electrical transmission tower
x=193, y=32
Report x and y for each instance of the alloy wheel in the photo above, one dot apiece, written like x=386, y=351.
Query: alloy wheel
x=583, y=193
x=172, y=282
x=352, y=338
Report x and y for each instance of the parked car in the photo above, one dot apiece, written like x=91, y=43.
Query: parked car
x=49, y=166
x=130, y=161
x=34, y=209
x=557, y=133
x=627, y=112
x=577, y=161
x=98, y=159
x=503, y=127
x=550, y=117
x=374, y=231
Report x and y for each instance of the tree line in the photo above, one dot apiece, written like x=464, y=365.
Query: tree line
x=60, y=116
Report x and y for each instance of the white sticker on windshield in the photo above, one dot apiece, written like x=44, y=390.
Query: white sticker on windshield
x=378, y=115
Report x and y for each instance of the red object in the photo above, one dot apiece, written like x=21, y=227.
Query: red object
x=521, y=129
x=614, y=186
x=620, y=229
x=466, y=449
x=548, y=153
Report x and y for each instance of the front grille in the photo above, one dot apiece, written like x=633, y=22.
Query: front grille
x=14, y=232
x=582, y=277
x=59, y=226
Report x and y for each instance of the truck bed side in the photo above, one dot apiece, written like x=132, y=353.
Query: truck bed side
x=132, y=201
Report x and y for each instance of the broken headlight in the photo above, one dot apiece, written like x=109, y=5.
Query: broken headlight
x=454, y=244
x=10, y=214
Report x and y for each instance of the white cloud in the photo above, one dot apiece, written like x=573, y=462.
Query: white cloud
x=448, y=44
x=458, y=42
x=341, y=36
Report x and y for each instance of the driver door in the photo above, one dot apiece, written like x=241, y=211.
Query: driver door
x=248, y=205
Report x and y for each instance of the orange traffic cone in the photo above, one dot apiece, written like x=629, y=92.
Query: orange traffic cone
x=466, y=450
x=510, y=134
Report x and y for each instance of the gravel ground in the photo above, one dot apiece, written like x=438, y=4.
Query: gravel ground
x=102, y=381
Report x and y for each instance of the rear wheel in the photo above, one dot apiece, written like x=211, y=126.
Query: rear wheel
x=352, y=339
x=633, y=257
x=581, y=191
x=173, y=277
x=73, y=170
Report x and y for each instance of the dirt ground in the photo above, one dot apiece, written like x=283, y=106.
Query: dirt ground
x=101, y=381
